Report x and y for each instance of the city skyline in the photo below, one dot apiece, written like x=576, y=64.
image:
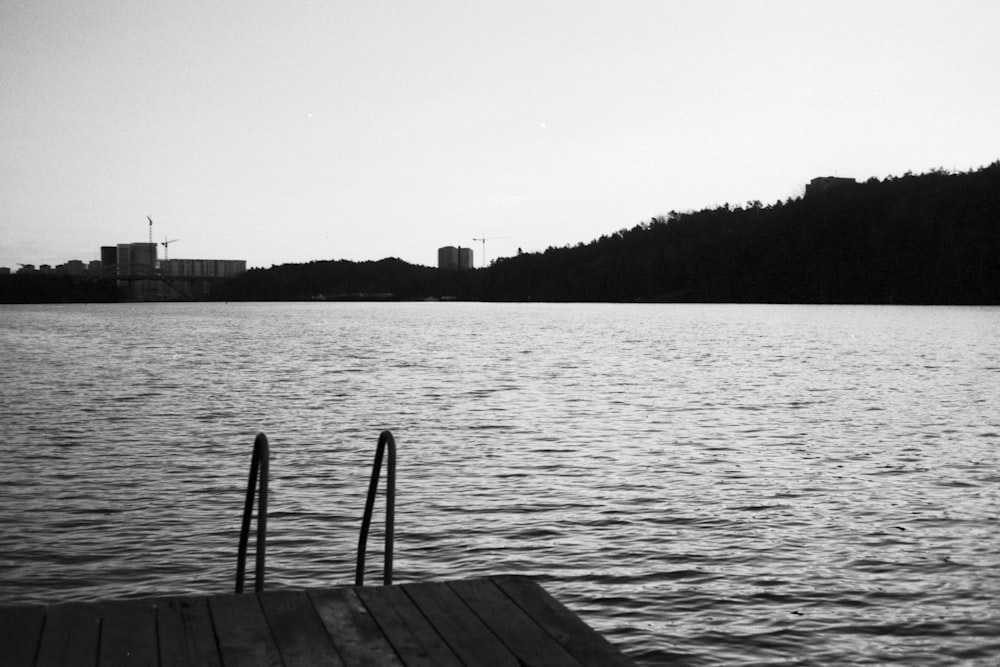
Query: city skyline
x=359, y=132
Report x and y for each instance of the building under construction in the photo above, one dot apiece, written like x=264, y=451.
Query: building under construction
x=144, y=277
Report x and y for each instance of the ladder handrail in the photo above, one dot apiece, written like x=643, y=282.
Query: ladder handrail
x=259, y=464
x=385, y=439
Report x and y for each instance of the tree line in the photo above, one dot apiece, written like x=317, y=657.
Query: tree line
x=922, y=239
x=931, y=238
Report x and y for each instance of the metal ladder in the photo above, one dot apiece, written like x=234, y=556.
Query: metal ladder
x=259, y=465
x=259, y=462
x=385, y=440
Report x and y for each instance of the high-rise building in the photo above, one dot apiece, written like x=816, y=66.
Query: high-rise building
x=136, y=259
x=143, y=258
x=450, y=257
x=123, y=258
x=109, y=255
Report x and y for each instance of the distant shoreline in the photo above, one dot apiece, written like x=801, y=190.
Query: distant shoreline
x=929, y=239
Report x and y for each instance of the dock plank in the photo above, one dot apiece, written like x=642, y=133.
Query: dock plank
x=579, y=639
x=467, y=636
x=184, y=632
x=128, y=634
x=299, y=633
x=242, y=631
x=70, y=636
x=357, y=637
x=407, y=630
x=21, y=632
x=520, y=634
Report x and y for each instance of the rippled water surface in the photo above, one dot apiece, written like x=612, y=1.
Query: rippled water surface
x=704, y=484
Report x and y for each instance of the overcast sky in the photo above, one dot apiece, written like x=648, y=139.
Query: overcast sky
x=292, y=131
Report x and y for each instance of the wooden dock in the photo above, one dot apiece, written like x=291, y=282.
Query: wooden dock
x=505, y=620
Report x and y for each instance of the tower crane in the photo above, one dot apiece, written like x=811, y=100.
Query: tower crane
x=165, y=243
x=484, y=239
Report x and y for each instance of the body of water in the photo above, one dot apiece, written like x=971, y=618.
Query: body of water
x=704, y=484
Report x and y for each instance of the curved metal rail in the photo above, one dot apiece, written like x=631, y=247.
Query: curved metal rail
x=385, y=439
x=258, y=469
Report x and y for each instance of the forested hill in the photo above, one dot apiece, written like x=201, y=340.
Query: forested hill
x=921, y=239
x=932, y=238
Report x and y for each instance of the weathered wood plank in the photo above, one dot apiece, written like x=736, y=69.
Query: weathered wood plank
x=20, y=633
x=242, y=631
x=70, y=635
x=128, y=634
x=184, y=629
x=467, y=636
x=579, y=639
x=354, y=632
x=504, y=622
x=298, y=631
x=519, y=633
x=405, y=627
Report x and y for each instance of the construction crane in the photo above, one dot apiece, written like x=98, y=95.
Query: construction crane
x=484, y=239
x=165, y=243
